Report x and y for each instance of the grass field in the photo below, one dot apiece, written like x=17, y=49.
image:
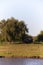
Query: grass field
x=21, y=50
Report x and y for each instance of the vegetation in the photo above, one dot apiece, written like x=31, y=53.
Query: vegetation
x=21, y=50
x=39, y=37
x=27, y=39
x=13, y=30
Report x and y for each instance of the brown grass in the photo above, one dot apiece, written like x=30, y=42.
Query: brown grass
x=21, y=50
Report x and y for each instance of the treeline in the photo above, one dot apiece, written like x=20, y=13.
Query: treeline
x=39, y=37
x=13, y=30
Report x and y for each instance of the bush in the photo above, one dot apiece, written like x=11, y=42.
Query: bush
x=27, y=39
x=40, y=38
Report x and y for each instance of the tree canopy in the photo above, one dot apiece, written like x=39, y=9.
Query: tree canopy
x=13, y=30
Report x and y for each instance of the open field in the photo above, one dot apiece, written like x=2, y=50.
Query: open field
x=21, y=50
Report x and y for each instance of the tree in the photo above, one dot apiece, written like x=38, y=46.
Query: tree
x=14, y=30
x=40, y=37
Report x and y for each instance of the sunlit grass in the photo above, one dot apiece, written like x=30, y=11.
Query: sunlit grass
x=21, y=50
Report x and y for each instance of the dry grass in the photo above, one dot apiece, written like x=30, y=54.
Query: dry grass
x=21, y=50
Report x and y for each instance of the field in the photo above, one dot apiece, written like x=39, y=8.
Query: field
x=21, y=50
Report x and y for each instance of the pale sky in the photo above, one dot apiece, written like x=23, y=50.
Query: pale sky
x=31, y=11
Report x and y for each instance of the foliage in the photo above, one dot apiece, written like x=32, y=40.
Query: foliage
x=13, y=30
x=39, y=37
x=27, y=39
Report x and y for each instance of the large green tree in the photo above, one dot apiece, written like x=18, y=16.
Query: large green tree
x=13, y=30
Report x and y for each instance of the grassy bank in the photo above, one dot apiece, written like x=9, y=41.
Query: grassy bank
x=21, y=50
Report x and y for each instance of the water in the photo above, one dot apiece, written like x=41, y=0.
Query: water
x=19, y=61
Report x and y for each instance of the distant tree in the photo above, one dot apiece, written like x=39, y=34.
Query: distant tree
x=40, y=37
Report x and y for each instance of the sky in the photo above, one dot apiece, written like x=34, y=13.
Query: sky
x=30, y=11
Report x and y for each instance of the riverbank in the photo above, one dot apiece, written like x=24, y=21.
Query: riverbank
x=21, y=50
x=34, y=57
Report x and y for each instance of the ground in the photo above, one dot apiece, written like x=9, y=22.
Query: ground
x=21, y=50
